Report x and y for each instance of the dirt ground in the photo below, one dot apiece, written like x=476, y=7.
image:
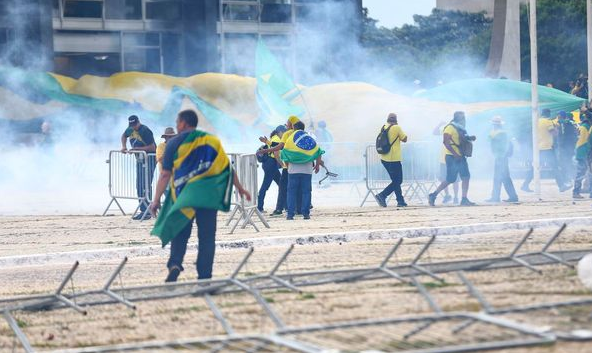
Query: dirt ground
x=191, y=318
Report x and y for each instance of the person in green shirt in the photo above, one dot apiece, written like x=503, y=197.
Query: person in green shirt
x=501, y=148
x=582, y=153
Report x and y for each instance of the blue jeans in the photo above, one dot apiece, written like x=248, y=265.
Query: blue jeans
x=206, y=246
x=304, y=183
x=281, y=204
x=271, y=174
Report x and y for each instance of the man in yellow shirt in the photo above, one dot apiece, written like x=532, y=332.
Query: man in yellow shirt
x=547, y=130
x=169, y=133
x=392, y=162
x=456, y=160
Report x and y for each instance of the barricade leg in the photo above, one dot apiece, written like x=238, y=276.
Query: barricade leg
x=113, y=199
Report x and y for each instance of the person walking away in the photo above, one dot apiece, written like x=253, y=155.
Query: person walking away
x=502, y=149
x=283, y=191
x=141, y=138
x=458, y=146
x=439, y=131
x=169, y=133
x=582, y=153
x=391, y=160
x=303, y=155
x=270, y=166
x=200, y=180
x=547, y=131
x=567, y=136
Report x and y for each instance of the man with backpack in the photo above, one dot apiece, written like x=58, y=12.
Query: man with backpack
x=458, y=146
x=388, y=145
x=502, y=149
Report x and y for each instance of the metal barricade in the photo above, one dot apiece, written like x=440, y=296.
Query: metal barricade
x=130, y=177
x=419, y=165
x=346, y=160
x=243, y=211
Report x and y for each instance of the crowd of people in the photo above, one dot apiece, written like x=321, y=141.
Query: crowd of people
x=291, y=155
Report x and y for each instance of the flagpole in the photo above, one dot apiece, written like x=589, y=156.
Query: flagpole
x=534, y=78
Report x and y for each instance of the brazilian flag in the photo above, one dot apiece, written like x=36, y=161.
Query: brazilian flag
x=202, y=178
x=300, y=148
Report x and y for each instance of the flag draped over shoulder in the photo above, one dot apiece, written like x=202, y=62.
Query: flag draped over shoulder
x=300, y=148
x=202, y=178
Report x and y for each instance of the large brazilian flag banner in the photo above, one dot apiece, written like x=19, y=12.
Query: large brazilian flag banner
x=202, y=178
x=300, y=148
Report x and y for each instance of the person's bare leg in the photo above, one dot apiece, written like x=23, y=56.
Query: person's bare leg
x=465, y=187
x=442, y=186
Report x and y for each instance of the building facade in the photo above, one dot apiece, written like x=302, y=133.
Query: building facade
x=175, y=37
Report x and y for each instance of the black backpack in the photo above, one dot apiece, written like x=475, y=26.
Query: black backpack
x=383, y=146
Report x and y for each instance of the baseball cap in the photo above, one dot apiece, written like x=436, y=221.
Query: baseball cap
x=133, y=120
x=293, y=119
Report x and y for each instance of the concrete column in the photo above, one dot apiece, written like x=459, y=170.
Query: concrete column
x=504, y=53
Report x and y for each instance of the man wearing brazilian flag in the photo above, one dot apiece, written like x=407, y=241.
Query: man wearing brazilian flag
x=302, y=155
x=200, y=180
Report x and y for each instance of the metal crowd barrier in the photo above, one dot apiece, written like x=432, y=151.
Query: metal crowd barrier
x=420, y=173
x=130, y=177
x=246, y=167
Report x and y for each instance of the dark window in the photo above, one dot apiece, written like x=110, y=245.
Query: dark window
x=83, y=8
x=163, y=10
x=276, y=11
x=123, y=9
x=239, y=12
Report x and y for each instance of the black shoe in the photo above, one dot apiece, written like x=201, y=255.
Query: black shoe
x=525, y=188
x=511, y=200
x=307, y=216
x=402, y=204
x=174, y=273
x=432, y=199
x=276, y=213
x=381, y=200
x=465, y=202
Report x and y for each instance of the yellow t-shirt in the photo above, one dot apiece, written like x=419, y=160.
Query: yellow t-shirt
x=453, y=132
x=395, y=132
x=160, y=154
x=583, y=137
x=287, y=135
x=274, y=139
x=545, y=134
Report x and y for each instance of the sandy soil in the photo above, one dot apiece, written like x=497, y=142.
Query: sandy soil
x=190, y=317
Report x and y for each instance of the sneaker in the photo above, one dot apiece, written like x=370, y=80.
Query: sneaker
x=525, y=188
x=174, y=273
x=432, y=199
x=465, y=202
x=381, y=200
x=402, y=204
x=307, y=216
x=577, y=196
x=511, y=200
x=276, y=213
x=447, y=199
x=492, y=200
x=290, y=218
